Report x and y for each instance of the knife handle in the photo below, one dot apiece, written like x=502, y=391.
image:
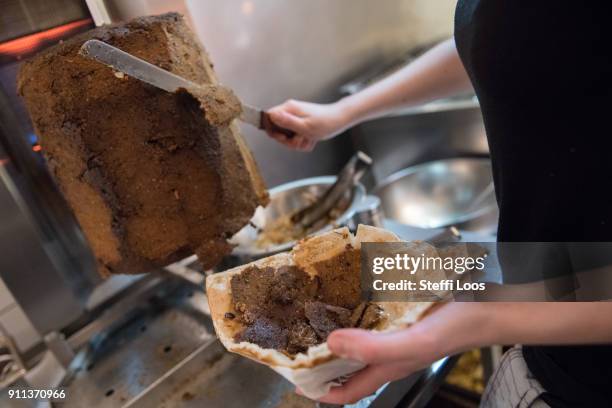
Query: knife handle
x=267, y=124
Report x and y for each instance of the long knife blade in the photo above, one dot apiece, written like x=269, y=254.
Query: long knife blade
x=134, y=66
x=151, y=74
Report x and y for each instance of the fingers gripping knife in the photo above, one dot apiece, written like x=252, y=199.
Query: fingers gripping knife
x=137, y=68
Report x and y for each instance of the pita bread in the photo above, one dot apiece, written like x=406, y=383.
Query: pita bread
x=315, y=370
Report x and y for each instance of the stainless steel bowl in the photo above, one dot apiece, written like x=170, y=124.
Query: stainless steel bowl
x=442, y=193
x=286, y=199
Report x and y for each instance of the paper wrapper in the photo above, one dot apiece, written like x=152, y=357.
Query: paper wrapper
x=316, y=371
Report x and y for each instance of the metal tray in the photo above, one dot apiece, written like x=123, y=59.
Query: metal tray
x=168, y=356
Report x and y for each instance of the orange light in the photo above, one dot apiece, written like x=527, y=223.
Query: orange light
x=36, y=148
x=30, y=42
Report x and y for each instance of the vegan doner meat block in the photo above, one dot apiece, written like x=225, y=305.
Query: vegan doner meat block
x=149, y=176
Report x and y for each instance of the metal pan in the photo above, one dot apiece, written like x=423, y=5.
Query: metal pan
x=442, y=193
x=285, y=200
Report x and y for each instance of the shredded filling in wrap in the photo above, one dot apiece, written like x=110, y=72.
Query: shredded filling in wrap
x=288, y=310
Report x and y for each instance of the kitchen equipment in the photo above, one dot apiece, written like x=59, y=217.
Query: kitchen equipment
x=45, y=261
x=350, y=175
x=11, y=366
x=137, y=68
x=442, y=193
x=369, y=212
x=284, y=201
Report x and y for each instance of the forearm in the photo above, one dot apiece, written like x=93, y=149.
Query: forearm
x=460, y=326
x=471, y=325
x=552, y=323
x=436, y=74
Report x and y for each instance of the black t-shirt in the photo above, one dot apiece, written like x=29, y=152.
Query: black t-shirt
x=542, y=71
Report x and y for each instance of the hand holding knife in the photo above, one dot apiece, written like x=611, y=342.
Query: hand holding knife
x=137, y=68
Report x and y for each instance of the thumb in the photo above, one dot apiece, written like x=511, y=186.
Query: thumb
x=371, y=347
